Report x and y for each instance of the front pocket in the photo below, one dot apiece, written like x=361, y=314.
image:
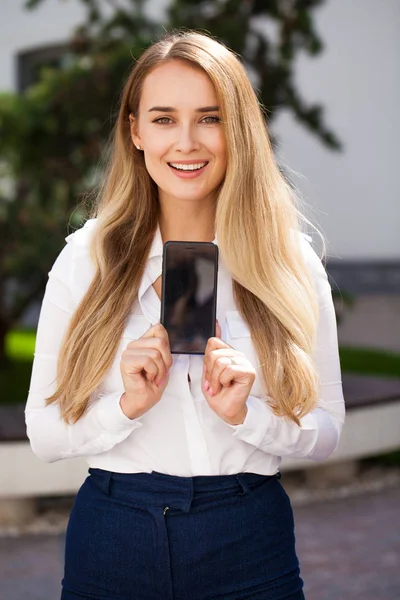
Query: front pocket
x=271, y=496
x=85, y=496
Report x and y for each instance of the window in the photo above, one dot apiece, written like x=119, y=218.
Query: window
x=31, y=62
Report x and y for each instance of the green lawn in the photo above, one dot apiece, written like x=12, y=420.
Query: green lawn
x=20, y=345
x=14, y=380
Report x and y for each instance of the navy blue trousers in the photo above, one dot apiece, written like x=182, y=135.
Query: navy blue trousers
x=150, y=536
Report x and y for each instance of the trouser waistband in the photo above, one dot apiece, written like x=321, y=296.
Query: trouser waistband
x=159, y=489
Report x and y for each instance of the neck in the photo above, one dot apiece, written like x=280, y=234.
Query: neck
x=187, y=223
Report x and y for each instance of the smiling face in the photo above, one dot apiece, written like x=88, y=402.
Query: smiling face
x=180, y=132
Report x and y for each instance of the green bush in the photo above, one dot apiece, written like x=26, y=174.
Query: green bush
x=369, y=361
x=14, y=382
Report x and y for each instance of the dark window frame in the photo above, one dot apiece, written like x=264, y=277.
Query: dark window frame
x=29, y=62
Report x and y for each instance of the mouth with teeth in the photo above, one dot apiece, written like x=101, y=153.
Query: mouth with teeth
x=188, y=169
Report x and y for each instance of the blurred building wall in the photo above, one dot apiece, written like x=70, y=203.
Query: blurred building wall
x=22, y=30
x=357, y=78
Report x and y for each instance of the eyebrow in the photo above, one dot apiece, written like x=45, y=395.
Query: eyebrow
x=202, y=109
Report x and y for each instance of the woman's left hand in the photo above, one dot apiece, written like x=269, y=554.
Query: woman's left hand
x=227, y=380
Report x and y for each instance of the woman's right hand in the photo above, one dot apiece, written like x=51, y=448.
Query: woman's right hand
x=144, y=365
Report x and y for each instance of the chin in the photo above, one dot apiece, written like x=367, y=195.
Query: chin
x=190, y=195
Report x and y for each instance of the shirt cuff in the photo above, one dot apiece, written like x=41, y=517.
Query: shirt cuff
x=111, y=416
x=258, y=420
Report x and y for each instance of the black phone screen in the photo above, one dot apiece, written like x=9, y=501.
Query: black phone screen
x=189, y=295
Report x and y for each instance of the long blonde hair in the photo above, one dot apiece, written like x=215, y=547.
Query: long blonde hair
x=256, y=217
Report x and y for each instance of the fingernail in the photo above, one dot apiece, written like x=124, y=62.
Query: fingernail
x=210, y=391
x=161, y=383
x=206, y=385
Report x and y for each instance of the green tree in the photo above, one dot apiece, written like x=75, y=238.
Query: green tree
x=52, y=135
x=51, y=139
x=267, y=34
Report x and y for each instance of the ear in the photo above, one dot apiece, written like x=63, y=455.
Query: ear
x=134, y=133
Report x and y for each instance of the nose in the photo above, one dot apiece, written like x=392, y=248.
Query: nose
x=187, y=140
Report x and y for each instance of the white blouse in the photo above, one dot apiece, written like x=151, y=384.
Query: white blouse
x=180, y=435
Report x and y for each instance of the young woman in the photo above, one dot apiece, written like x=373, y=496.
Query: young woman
x=183, y=499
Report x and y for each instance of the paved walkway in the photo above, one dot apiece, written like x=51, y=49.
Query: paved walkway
x=349, y=550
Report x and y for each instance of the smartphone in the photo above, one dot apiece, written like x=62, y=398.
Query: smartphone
x=189, y=295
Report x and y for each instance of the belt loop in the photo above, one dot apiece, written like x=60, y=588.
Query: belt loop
x=102, y=479
x=241, y=477
x=190, y=494
x=108, y=483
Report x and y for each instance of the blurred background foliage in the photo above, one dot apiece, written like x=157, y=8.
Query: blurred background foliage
x=53, y=135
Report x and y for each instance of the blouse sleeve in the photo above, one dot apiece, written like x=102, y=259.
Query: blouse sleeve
x=104, y=424
x=319, y=432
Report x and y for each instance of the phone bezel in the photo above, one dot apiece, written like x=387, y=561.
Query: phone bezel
x=163, y=283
